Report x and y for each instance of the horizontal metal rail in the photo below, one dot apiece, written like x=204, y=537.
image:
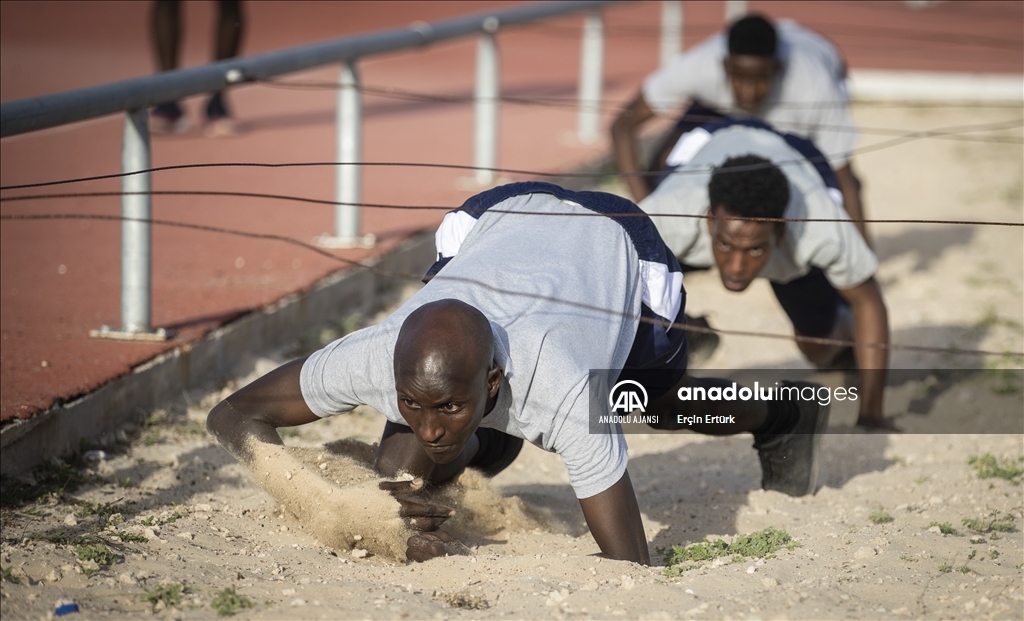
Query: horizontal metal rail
x=26, y=115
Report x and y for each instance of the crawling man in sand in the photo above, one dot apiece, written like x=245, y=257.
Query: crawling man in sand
x=534, y=287
x=821, y=271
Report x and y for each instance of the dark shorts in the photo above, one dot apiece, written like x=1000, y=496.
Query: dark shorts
x=658, y=357
x=810, y=302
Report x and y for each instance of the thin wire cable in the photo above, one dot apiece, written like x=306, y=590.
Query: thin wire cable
x=915, y=135
x=832, y=28
x=323, y=201
x=495, y=289
x=603, y=106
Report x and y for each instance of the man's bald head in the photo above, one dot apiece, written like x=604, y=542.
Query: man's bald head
x=445, y=377
x=446, y=337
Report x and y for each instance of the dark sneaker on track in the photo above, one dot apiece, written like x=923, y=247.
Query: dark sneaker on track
x=789, y=461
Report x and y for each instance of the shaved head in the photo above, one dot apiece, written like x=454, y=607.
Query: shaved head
x=445, y=376
x=443, y=336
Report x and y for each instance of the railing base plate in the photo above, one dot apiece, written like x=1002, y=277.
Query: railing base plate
x=157, y=336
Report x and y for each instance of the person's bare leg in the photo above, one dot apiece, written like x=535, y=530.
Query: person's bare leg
x=227, y=41
x=167, y=32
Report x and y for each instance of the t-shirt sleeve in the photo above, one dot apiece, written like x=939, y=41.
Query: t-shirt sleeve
x=594, y=461
x=343, y=375
x=687, y=76
x=835, y=133
x=841, y=251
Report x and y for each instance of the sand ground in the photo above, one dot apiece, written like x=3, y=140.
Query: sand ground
x=208, y=526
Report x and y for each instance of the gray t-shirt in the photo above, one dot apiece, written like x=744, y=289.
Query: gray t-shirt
x=808, y=98
x=835, y=247
x=563, y=295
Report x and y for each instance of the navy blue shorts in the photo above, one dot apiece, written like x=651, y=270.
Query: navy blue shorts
x=810, y=302
x=658, y=357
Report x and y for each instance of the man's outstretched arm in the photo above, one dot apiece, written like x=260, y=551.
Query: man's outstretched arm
x=624, y=142
x=614, y=520
x=870, y=326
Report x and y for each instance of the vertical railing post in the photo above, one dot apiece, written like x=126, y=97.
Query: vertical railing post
x=591, y=74
x=671, y=29
x=349, y=146
x=734, y=9
x=136, y=251
x=486, y=93
x=348, y=174
x=136, y=235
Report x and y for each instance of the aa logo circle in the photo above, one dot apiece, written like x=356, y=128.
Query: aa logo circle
x=626, y=396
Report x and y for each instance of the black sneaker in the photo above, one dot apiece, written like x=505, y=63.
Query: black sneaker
x=789, y=461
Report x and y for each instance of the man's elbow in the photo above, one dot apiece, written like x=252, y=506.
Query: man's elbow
x=221, y=419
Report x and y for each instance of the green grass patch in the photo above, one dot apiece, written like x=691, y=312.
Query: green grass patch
x=879, y=517
x=228, y=602
x=760, y=544
x=945, y=568
x=127, y=537
x=7, y=576
x=965, y=569
x=971, y=556
x=993, y=554
x=994, y=523
x=907, y=558
x=945, y=528
x=98, y=552
x=988, y=466
x=59, y=537
x=922, y=479
x=106, y=509
x=169, y=594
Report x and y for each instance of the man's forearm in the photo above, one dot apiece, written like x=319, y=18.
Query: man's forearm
x=615, y=523
x=871, y=326
x=235, y=431
x=624, y=145
x=849, y=185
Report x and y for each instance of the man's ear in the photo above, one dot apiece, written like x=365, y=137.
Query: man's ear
x=494, y=380
x=710, y=220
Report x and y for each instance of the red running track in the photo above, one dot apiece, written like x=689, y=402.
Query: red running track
x=58, y=279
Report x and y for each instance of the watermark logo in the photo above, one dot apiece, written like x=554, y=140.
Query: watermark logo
x=623, y=398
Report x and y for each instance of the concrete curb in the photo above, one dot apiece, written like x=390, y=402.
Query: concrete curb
x=59, y=431
x=933, y=87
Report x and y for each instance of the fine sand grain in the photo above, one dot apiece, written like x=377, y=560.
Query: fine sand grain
x=901, y=527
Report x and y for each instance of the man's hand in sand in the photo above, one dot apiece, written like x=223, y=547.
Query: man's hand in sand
x=419, y=515
x=425, y=546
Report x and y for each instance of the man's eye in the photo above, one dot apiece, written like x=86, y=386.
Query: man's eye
x=450, y=407
x=756, y=252
x=724, y=247
x=409, y=403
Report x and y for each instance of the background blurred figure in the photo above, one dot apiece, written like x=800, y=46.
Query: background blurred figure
x=783, y=73
x=168, y=118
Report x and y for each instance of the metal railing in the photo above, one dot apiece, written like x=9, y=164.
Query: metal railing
x=134, y=97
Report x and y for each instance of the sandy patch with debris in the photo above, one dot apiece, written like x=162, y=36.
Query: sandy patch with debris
x=176, y=508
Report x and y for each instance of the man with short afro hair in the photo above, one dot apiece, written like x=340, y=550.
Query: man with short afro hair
x=742, y=175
